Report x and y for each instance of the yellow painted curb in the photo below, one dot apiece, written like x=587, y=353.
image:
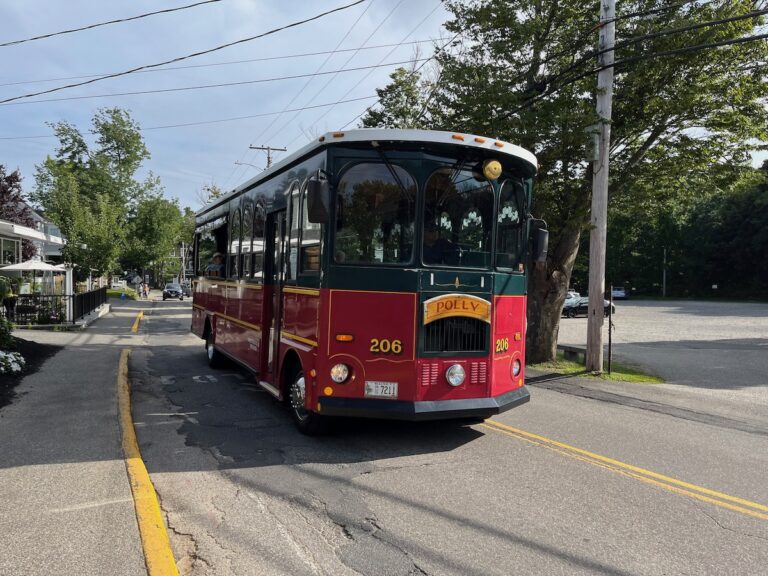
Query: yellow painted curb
x=154, y=537
x=139, y=318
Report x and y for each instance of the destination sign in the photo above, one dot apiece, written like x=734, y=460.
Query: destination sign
x=449, y=305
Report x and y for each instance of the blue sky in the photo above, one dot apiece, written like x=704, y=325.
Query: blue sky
x=186, y=158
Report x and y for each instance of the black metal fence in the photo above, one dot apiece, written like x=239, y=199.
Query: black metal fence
x=87, y=302
x=45, y=309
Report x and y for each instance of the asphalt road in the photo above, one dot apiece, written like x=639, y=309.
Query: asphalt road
x=624, y=491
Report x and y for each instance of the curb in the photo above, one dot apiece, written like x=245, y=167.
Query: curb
x=154, y=537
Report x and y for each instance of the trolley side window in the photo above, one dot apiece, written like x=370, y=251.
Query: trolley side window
x=375, y=215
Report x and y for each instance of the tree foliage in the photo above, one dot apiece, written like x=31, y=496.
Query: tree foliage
x=13, y=208
x=521, y=71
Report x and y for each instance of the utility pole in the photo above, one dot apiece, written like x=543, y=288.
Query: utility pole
x=269, y=150
x=664, y=275
x=599, y=218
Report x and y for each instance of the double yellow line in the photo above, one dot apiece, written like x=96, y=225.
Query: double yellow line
x=649, y=477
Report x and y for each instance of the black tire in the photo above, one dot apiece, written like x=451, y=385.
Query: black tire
x=606, y=313
x=215, y=358
x=571, y=313
x=163, y=298
x=308, y=422
x=181, y=298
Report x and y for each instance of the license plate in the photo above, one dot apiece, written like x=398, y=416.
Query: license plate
x=375, y=389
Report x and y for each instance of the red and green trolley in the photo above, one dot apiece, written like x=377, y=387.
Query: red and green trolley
x=374, y=273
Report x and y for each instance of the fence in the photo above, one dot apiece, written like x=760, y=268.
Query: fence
x=46, y=309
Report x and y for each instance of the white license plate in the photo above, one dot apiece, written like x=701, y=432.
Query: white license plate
x=375, y=389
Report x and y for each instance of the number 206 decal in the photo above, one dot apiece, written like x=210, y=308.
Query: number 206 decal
x=502, y=345
x=384, y=346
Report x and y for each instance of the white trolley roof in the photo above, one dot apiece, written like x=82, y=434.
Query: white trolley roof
x=384, y=135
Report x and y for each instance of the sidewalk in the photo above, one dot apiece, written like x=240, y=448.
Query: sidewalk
x=65, y=501
x=670, y=399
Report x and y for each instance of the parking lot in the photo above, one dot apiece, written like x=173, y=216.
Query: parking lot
x=717, y=350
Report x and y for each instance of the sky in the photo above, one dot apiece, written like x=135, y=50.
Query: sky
x=187, y=158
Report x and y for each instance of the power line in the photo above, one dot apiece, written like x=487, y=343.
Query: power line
x=371, y=71
x=214, y=64
x=193, y=55
x=203, y=86
x=328, y=82
x=558, y=86
x=655, y=11
x=118, y=21
x=301, y=90
x=428, y=98
x=206, y=122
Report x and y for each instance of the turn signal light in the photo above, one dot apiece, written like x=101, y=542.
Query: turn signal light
x=344, y=338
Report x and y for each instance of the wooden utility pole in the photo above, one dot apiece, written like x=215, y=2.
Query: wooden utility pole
x=269, y=150
x=599, y=219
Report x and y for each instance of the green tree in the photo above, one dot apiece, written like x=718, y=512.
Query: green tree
x=13, y=207
x=92, y=192
x=520, y=71
x=154, y=234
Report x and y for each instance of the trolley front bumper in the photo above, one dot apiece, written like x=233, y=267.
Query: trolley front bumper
x=425, y=410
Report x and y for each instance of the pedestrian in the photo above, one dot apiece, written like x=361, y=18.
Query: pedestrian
x=146, y=290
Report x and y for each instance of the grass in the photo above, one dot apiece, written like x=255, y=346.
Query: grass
x=116, y=293
x=619, y=372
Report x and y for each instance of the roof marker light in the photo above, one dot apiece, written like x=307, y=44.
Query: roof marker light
x=338, y=134
x=479, y=140
x=321, y=139
x=498, y=144
x=458, y=137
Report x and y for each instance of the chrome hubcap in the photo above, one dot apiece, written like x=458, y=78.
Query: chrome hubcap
x=297, y=398
x=209, y=349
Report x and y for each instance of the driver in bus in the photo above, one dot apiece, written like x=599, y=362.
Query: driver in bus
x=438, y=250
x=216, y=267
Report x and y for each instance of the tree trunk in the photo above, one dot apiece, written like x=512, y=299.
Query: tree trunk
x=547, y=288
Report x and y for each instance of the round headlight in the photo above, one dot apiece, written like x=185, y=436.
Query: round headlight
x=339, y=373
x=455, y=375
x=516, y=367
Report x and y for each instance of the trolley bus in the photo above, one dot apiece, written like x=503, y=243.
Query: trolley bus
x=374, y=273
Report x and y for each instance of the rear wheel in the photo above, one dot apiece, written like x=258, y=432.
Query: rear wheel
x=308, y=422
x=571, y=313
x=215, y=358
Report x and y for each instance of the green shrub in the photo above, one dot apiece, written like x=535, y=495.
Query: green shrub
x=6, y=340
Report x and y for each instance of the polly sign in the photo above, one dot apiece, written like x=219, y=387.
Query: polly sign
x=457, y=305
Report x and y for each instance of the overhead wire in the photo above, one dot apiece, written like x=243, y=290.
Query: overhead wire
x=117, y=21
x=306, y=84
x=187, y=56
x=199, y=86
x=328, y=82
x=203, y=122
x=371, y=71
x=213, y=64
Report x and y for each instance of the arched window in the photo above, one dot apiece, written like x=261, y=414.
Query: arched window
x=233, y=252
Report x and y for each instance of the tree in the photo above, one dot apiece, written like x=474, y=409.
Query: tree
x=521, y=72
x=14, y=209
x=154, y=234
x=92, y=192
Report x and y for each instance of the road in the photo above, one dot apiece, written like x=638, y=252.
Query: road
x=566, y=484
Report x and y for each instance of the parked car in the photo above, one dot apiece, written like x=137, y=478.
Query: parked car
x=619, y=293
x=579, y=306
x=173, y=290
x=186, y=288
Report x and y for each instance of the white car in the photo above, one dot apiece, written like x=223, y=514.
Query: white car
x=619, y=293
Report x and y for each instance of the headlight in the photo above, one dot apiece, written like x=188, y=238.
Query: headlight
x=339, y=373
x=455, y=375
x=516, y=367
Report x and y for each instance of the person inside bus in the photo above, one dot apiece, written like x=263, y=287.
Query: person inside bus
x=438, y=250
x=216, y=267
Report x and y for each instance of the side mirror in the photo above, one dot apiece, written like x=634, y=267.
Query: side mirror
x=541, y=245
x=317, y=201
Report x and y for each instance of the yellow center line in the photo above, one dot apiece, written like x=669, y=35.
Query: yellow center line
x=139, y=317
x=672, y=484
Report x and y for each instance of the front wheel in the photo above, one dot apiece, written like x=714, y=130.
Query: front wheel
x=308, y=422
x=571, y=313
